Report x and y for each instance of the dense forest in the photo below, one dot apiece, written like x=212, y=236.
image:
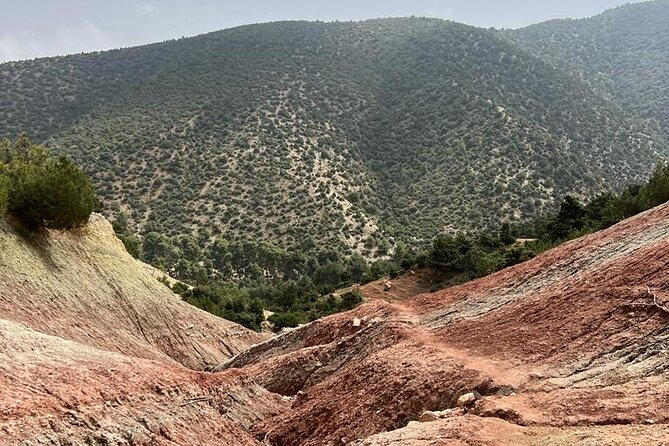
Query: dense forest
x=348, y=136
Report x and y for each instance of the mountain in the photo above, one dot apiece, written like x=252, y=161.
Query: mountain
x=347, y=135
x=84, y=287
x=621, y=53
x=562, y=349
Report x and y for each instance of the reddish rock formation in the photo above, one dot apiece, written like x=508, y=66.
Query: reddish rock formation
x=83, y=286
x=575, y=338
x=571, y=347
x=93, y=349
x=58, y=392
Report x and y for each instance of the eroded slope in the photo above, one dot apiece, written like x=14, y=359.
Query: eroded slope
x=576, y=338
x=569, y=348
x=58, y=392
x=83, y=286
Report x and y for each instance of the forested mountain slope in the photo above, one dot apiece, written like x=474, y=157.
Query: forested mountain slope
x=344, y=134
x=622, y=53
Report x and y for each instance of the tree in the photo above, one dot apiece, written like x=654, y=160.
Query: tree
x=570, y=218
x=505, y=236
x=158, y=249
x=350, y=300
x=282, y=320
x=131, y=242
x=656, y=191
x=356, y=268
x=46, y=191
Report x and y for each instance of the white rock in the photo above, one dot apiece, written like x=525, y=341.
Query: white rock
x=467, y=399
x=445, y=413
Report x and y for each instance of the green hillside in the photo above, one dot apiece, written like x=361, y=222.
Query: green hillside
x=337, y=134
x=621, y=53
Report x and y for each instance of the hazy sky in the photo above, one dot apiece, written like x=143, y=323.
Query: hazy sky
x=35, y=28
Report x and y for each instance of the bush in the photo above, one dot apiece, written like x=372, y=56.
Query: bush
x=46, y=191
x=4, y=193
x=227, y=301
x=350, y=300
x=283, y=320
x=132, y=244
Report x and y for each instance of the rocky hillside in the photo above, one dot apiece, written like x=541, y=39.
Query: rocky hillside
x=568, y=348
x=341, y=133
x=84, y=287
x=562, y=349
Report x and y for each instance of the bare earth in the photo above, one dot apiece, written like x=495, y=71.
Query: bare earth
x=570, y=348
x=568, y=341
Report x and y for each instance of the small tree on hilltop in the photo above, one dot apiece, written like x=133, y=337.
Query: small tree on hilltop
x=47, y=191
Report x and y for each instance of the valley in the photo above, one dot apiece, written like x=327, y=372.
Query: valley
x=394, y=231
x=561, y=347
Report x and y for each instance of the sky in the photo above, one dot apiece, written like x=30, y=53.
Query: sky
x=37, y=28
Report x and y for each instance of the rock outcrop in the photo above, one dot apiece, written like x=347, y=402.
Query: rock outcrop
x=571, y=347
x=83, y=286
x=94, y=350
x=573, y=339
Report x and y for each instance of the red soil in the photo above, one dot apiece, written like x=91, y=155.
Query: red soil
x=570, y=339
x=570, y=348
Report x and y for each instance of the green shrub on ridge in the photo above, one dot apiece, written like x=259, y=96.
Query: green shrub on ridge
x=43, y=190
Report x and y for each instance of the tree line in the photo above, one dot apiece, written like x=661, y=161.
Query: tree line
x=238, y=278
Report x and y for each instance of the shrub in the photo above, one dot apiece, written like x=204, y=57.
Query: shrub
x=4, y=193
x=283, y=320
x=350, y=300
x=46, y=191
x=132, y=244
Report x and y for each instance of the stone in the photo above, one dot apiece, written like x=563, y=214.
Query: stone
x=428, y=416
x=506, y=391
x=467, y=399
x=356, y=322
x=448, y=413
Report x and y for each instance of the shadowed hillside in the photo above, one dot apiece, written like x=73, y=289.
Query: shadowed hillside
x=622, y=53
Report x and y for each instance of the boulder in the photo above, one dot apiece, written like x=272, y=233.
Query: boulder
x=468, y=399
x=428, y=416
